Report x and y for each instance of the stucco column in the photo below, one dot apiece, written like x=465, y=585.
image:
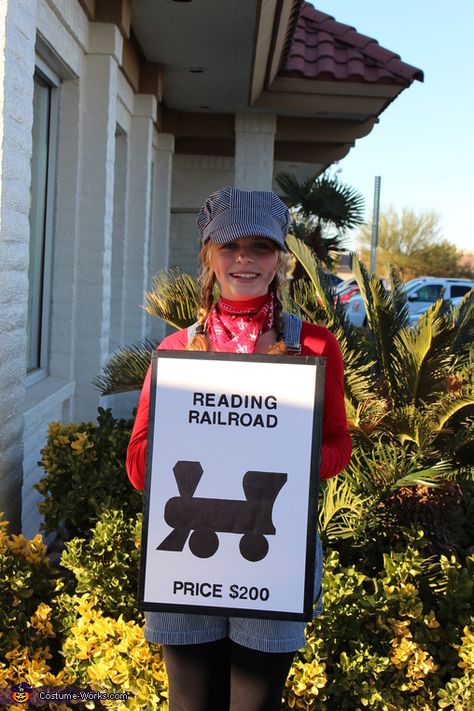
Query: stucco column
x=96, y=213
x=17, y=63
x=161, y=214
x=136, y=253
x=254, y=141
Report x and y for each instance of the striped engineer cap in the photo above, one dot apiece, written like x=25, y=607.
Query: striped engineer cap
x=230, y=213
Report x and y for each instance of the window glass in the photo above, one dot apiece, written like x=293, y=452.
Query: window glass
x=429, y=292
x=459, y=290
x=41, y=206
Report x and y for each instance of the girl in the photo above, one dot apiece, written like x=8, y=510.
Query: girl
x=220, y=663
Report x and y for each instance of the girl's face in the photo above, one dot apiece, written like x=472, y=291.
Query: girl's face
x=245, y=268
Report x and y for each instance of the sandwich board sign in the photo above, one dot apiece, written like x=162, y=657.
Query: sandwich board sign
x=230, y=506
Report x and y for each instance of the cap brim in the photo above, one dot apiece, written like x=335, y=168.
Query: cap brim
x=222, y=236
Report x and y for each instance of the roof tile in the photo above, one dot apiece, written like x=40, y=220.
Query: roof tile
x=323, y=48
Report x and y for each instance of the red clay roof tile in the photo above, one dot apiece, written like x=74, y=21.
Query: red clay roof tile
x=323, y=48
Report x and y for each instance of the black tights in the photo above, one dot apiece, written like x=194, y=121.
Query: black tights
x=224, y=676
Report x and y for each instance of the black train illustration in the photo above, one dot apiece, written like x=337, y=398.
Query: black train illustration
x=251, y=517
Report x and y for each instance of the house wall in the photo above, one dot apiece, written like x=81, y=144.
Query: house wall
x=17, y=36
x=112, y=188
x=194, y=179
x=123, y=206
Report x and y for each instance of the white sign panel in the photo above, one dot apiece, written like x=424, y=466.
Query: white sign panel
x=232, y=484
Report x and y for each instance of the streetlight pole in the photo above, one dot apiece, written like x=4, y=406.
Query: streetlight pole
x=375, y=224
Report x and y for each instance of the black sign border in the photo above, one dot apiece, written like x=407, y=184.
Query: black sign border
x=312, y=521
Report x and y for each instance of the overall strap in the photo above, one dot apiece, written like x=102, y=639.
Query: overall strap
x=192, y=332
x=292, y=332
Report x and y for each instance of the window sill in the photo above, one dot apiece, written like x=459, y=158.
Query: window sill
x=41, y=397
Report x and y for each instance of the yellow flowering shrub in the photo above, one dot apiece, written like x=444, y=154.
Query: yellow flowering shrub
x=112, y=655
x=401, y=638
x=31, y=666
x=27, y=588
x=304, y=683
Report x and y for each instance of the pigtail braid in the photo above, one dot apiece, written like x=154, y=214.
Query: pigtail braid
x=279, y=348
x=207, y=281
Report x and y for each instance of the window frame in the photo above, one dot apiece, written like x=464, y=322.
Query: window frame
x=52, y=80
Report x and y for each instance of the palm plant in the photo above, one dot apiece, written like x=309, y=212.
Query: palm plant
x=318, y=204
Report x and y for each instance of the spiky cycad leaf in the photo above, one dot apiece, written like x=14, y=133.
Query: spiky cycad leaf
x=387, y=466
x=463, y=327
x=413, y=427
x=325, y=293
x=422, y=358
x=126, y=369
x=399, y=299
x=341, y=510
x=386, y=315
x=173, y=298
x=318, y=296
x=451, y=418
x=305, y=303
x=365, y=418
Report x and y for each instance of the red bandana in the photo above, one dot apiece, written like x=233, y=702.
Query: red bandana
x=234, y=326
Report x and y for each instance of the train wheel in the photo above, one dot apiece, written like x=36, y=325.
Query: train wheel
x=253, y=546
x=203, y=542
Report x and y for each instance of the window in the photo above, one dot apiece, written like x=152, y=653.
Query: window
x=459, y=290
x=43, y=164
x=430, y=292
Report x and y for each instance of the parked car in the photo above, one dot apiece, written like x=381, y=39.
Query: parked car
x=345, y=294
x=421, y=293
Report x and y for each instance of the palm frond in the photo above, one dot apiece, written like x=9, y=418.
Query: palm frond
x=387, y=466
x=399, y=298
x=341, y=511
x=446, y=408
x=327, y=199
x=294, y=190
x=324, y=291
x=463, y=326
x=173, y=298
x=126, y=369
x=422, y=358
x=386, y=315
x=304, y=302
x=316, y=301
x=366, y=415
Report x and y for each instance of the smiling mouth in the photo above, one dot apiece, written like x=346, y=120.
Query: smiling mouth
x=246, y=276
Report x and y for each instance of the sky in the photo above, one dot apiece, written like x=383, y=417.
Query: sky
x=423, y=146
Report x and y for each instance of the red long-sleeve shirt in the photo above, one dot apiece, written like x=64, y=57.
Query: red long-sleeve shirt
x=336, y=440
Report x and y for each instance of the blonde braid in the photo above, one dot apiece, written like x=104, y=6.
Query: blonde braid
x=207, y=280
x=278, y=348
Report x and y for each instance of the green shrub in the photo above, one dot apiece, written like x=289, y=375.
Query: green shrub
x=85, y=465
x=106, y=565
x=401, y=640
